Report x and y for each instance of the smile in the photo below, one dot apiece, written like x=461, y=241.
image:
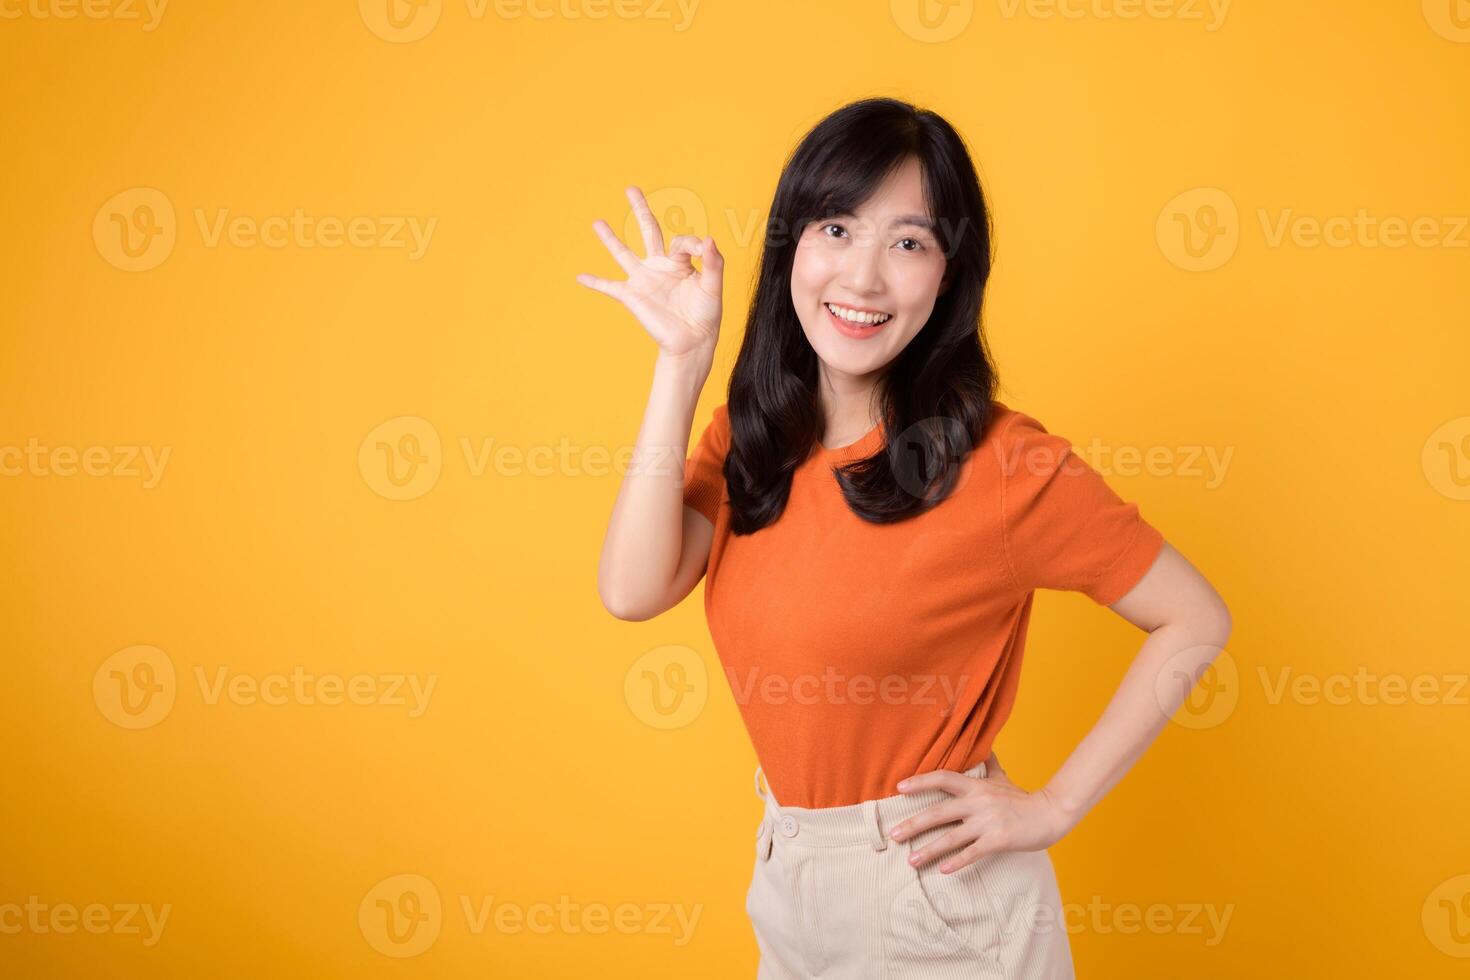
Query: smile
x=859, y=324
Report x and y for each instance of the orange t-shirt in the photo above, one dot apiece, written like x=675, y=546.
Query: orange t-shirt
x=862, y=653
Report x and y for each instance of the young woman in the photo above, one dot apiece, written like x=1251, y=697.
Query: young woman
x=871, y=524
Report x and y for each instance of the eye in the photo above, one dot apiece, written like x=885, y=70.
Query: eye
x=837, y=226
x=918, y=245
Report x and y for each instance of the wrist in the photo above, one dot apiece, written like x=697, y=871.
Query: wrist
x=697, y=360
x=687, y=372
x=1066, y=813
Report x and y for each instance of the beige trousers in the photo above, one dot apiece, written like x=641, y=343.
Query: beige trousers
x=833, y=897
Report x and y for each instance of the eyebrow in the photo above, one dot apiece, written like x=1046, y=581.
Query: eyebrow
x=917, y=220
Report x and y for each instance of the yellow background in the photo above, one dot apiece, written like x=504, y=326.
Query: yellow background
x=1328, y=832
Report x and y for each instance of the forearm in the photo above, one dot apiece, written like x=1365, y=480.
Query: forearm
x=1171, y=660
x=640, y=552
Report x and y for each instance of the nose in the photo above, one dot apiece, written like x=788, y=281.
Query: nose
x=862, y=270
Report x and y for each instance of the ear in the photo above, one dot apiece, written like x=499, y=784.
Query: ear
x=943, y=284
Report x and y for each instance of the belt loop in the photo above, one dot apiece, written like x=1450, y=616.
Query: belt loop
x=870, y=817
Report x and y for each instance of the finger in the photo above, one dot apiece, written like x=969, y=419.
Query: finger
x=653, y=238
x=940, y=813
x=945, y=779
x=968, y=856
x=712, y=268
x=958, y=837
x=683, y=248
x=624, y=255
x=608, y=286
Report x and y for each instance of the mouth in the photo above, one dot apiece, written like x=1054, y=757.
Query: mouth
x=855, y=322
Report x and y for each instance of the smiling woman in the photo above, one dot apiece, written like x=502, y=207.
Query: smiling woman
x=841, y=264
x=872, y=525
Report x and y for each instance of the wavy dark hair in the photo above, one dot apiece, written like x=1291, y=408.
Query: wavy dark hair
x=935, y=396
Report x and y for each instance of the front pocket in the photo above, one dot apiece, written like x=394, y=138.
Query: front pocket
x=943, y=917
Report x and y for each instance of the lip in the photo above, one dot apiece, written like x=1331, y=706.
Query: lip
x=852, y=306
x=856, y=330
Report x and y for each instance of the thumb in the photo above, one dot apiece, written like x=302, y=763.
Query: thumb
x=712, y=268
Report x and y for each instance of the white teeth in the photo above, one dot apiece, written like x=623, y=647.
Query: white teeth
x=853, y=316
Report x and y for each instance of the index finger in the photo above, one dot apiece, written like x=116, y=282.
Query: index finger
x=945, y=779
x=622, y=253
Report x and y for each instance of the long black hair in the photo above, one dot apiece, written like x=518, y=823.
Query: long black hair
x=935, y=396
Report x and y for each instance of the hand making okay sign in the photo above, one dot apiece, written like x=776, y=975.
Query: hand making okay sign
x=678, y=305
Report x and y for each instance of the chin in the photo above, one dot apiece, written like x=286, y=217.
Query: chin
x=847, y=361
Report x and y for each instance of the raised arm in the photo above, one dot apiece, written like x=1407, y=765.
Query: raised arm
x=655, y=548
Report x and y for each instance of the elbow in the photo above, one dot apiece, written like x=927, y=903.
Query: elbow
x=621, y=607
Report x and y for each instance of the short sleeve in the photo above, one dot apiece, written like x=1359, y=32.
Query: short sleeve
x=1064, y=528
x=704, y=469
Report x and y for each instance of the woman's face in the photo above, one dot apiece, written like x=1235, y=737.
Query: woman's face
x=886, y=260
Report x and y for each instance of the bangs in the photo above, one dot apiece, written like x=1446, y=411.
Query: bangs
x=849, y=175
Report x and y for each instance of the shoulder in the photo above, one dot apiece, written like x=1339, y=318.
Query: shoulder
x=1021, y=447
x=1006, y=428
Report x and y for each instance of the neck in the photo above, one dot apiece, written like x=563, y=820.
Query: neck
x=849, y=405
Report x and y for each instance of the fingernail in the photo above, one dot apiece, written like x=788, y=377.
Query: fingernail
x=904, y=784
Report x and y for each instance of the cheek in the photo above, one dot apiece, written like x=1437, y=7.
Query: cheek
x=811, y=270
x=918, y=289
